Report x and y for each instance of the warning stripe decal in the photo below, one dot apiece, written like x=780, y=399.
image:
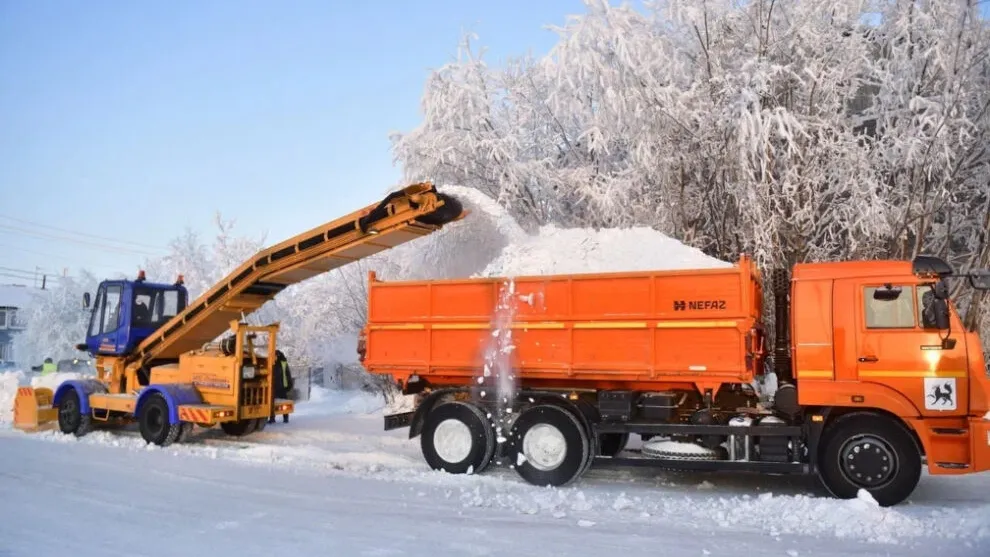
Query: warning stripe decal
x=197, y=415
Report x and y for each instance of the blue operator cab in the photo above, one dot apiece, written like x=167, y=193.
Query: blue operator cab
x=125, y=312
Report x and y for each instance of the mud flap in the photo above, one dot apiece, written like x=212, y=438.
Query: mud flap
x=399, y=421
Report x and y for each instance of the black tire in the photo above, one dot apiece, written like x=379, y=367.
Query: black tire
x=70, y=417
x=239, y=428
x=467, y=421
x=561, y=423
x=185, y=429
x=611, y=444
x=260, y=424
x=154, y=423
x=889, y=465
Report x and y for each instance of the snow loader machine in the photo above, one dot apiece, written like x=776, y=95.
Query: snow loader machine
x=157, y=357
x=551, y=374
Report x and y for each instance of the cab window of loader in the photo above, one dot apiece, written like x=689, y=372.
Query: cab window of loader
x=97, y=318
x=890, y=314
x=161, y=305
x=111, y=313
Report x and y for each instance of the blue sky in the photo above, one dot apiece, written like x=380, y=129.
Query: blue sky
x=123, y=122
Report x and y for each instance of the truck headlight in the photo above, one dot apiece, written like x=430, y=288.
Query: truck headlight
x=247, y=372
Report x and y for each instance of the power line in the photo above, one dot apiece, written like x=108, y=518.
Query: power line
x=105, y=247
x=75, y=262
x=78, y=233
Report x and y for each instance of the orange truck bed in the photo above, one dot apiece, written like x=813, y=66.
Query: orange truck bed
x=596, y=331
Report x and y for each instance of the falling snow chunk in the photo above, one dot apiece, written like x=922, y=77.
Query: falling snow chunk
x=585, y=523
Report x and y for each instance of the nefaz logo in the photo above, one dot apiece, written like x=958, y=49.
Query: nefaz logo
x=698, y=305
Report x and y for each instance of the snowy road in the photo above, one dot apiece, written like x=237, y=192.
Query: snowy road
x=335, y=484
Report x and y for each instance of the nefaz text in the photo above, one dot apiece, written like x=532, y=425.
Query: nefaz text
x=682, y=305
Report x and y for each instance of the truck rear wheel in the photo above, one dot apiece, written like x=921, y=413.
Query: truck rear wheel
x=457, y=438
x=872, y=452
x=239, y=428
x=549, y=446
x=153, y=421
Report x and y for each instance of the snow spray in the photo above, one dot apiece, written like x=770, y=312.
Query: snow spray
x=498, y=359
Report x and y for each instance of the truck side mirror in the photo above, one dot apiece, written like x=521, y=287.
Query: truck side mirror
x=85, y=300
x=980, y=280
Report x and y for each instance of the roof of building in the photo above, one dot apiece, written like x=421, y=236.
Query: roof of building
x=16, y=295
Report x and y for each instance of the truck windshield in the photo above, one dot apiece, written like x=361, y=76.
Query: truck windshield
x=152, y=308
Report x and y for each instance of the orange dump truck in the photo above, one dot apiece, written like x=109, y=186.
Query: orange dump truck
x=874, y=372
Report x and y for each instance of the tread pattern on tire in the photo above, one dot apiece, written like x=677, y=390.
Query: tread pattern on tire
x=895, y=434
x=574, y=432
x=171, y=431
x=481, y=427
x=85, y=424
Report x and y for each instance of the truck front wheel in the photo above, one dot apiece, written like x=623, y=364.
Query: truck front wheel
x=549, y=446
x=872, y=452
x=457, y=438
x=70, y=418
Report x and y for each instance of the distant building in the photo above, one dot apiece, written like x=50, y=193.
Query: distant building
x=14, y=299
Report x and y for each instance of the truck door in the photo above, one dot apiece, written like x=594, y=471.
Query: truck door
x=898, y=348
x=106, y=320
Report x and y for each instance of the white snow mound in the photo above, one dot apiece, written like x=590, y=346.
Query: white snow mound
x=556, y=250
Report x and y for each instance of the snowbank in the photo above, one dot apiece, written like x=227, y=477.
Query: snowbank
x=11, y=380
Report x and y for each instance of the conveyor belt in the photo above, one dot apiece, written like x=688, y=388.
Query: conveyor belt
x=405, y=215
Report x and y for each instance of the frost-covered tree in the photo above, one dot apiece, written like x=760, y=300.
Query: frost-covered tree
x=56, y=321
x=793, y=130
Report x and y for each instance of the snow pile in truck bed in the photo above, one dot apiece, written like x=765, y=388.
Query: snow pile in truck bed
x=490, y=243
x=583, y=250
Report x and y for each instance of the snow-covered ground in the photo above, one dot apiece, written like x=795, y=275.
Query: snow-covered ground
x=331, y=482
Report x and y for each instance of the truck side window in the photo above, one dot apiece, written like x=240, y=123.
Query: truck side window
x=96, y=320
x=111, y=314
x=889, y=314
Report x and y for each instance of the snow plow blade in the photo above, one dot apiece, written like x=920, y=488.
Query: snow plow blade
x=33, y=409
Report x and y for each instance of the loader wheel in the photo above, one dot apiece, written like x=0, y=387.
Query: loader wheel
x=153, y=421
x=868, y=451
x=549, y=446
x=260, y=424
x=457, y=438
x=611, y=444
x=239, y=428
x=185, y=430
x=70, y=417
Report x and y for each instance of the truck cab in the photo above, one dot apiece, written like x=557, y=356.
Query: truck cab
x=125, y=312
